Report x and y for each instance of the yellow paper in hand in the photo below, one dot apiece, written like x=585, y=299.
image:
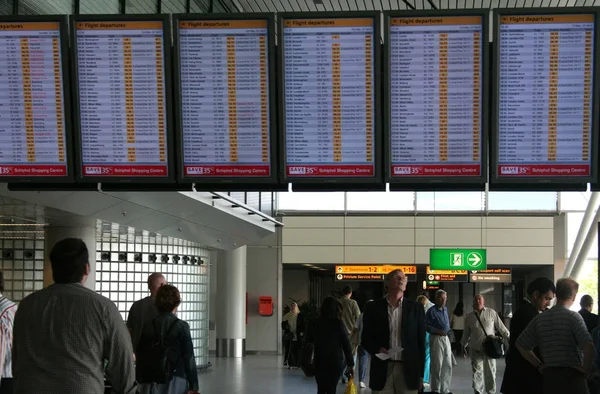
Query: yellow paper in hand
x=351, y=387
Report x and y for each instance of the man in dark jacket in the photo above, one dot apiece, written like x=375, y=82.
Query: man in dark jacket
x=520, y=376
x=394, y=329
x=591, y=319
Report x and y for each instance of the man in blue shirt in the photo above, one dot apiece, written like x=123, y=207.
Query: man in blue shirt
x=438, y=326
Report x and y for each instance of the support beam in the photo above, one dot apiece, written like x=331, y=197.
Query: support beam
x=432, y=4
x=408, y=4
x=585, y=248
x=583, y=230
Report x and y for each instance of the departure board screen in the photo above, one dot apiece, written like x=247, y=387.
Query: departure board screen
x=329, y=116
x=32, y=102
x=545, y=96
x=224, y=89
x=435, y=117
x=122, y=112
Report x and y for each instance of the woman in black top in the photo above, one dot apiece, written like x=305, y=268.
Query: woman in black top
x=176, y=334
x=332, y=347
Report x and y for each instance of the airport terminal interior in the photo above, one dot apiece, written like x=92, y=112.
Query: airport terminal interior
x=260, y=153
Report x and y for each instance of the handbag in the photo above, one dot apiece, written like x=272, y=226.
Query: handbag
x=492, y=345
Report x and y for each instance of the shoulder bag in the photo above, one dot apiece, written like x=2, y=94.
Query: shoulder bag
x=492, y=345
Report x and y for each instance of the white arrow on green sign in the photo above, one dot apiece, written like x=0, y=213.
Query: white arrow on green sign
x=452, y=259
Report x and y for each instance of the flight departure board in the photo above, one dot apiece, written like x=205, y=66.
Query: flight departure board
x=329, y=97
x=33, y=126
x=545, y=120
x=122, y=79
x=436, y=97
x=224, y=96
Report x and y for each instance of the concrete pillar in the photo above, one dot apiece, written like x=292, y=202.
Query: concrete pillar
x=84, y=228
x=231, y=303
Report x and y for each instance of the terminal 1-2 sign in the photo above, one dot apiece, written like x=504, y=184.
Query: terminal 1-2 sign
x=372, y=273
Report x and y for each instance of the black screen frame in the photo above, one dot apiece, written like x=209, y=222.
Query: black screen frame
x=230, y=182
x=515, y=181
x=62, y=20
x=169, y=131
x=306, y=183
x=430, y=182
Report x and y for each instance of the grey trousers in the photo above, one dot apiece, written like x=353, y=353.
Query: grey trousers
x=561, y=380
x=176, y=386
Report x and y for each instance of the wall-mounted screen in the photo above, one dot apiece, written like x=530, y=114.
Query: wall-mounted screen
x=123, y=100
x=225, y=93
x=545, y=124
x=436, y=98
x=34, y=126
x=329, y=97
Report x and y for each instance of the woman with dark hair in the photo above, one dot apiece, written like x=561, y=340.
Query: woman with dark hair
x=332, y=347
x=457, y=324
x=176, y=335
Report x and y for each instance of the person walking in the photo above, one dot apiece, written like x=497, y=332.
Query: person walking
x=332, y=347
x=422, y=299
x=479, y=324
x=457, y=324
x=520, y=376
x=7, y=318
x=176, y=335
x=291, y=323
x=394, y=336
x=591, y=319
x=144, y=310
x=67, y=337
x=363, y=354
x=350, y=314
x=438, y=326
x=566, y=347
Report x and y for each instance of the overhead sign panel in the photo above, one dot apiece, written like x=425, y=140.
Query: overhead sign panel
x=545, y=123
x=329, y=97
x=226, y=93
x=457, y=259
x=447, y=275
x=373, y=272
x=497, y=275
x=34, y=127
x=437, y=100
x=123, y=102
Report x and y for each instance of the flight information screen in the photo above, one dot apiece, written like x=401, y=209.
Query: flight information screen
x=436, y=96
x=224, y=88
x=32, y=106
x=121, y=79
x=545, y=95
x=329, y=97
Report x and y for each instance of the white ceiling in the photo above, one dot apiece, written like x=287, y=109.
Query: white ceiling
x=196, y=217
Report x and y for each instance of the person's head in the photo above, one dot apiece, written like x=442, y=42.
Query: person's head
x=459, y=309
x=294, y=307
x=155, y=282
x=566, y=291
x=426, y=294
x=167, y=299
x=422, y=300
x=478, y=302
x=587, y=302
x=1, y=282
x=331, y=308
x=541, y=292
x=70, y=261
x=347, y=291
x=440, y=298
x=396, y=281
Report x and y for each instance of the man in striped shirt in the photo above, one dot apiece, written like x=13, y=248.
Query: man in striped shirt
x=565, y=344
x=7, y=317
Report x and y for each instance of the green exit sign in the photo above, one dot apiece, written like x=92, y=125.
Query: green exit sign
x=461, y=259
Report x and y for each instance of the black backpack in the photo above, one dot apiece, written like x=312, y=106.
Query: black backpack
x=156, y=358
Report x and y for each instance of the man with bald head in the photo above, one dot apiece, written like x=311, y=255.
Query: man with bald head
x=144, y=310
x=479, y=324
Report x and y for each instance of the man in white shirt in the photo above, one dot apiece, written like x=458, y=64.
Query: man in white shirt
x=484, y=368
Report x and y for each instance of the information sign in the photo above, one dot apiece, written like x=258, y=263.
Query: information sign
x=33, y=127
x=461, y=259
x=122, y=99
x=225, y=68
x=447, y=275
x=545, y=86
x=373, y=272
x=436, y=96
x=498, y=275
x=329, y=97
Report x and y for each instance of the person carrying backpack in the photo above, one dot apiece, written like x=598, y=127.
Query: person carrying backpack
x=165, y=362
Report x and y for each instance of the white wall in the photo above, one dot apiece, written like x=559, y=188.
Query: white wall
x=392, y=239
